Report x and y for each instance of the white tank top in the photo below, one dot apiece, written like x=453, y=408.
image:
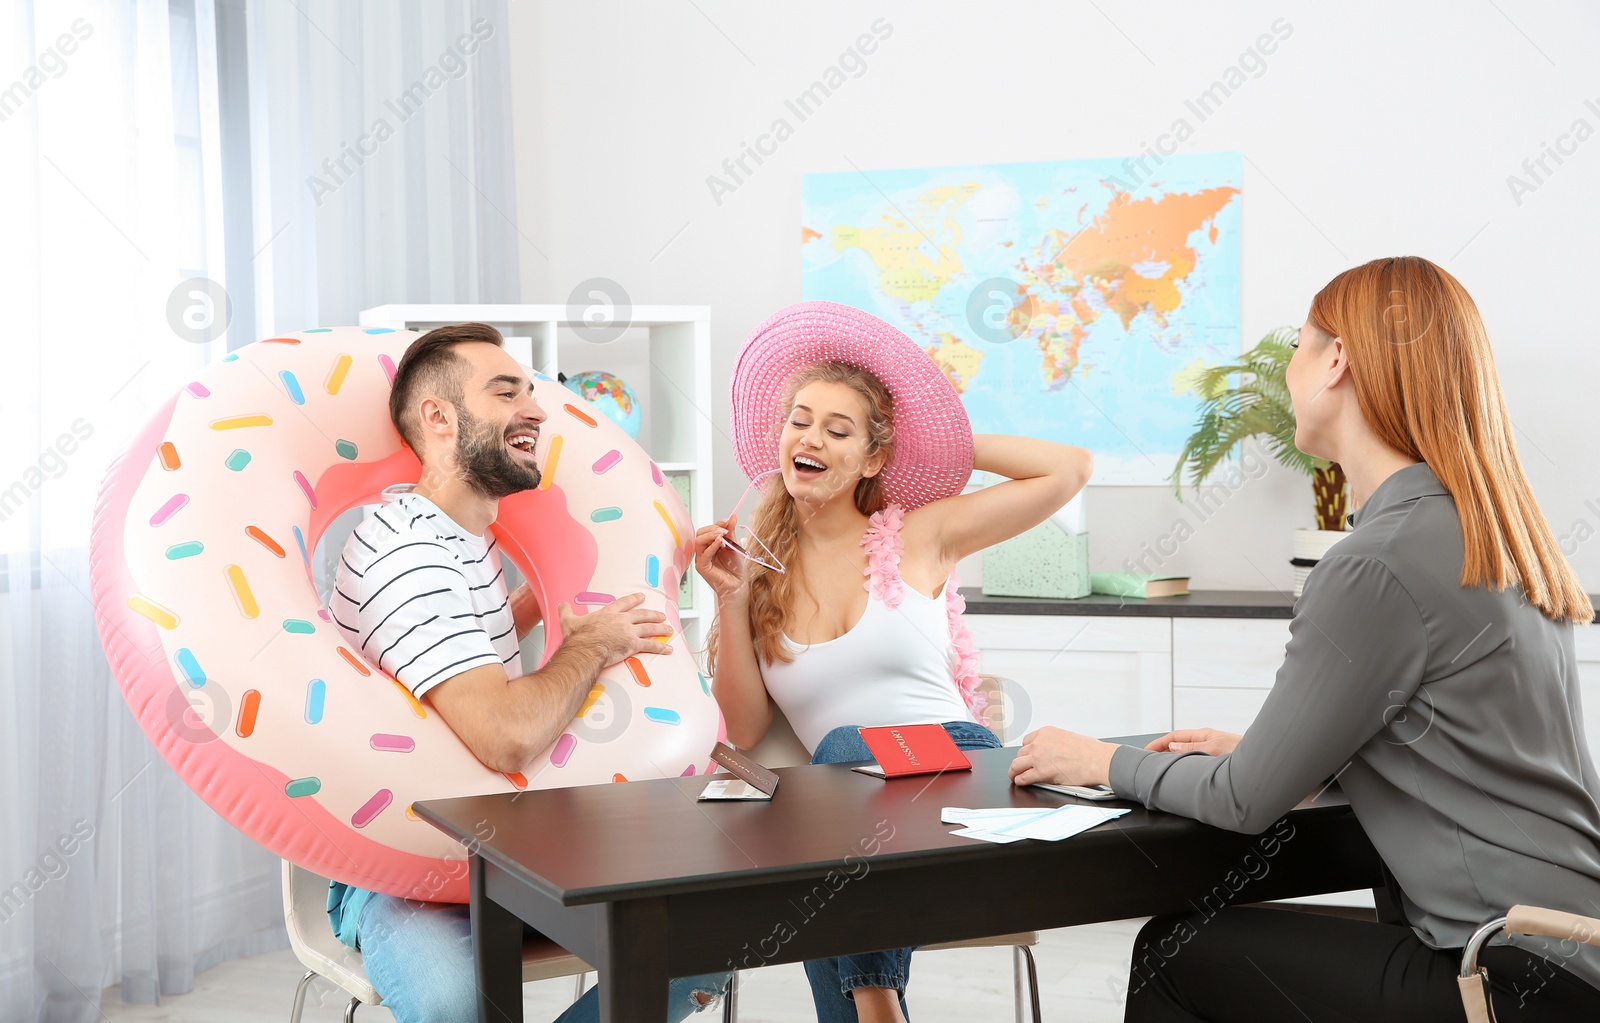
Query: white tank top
x=896, y=666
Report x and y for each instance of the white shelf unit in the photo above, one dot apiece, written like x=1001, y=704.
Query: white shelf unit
x=677, y=428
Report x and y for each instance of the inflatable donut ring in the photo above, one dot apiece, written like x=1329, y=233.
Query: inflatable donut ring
x=200, y=571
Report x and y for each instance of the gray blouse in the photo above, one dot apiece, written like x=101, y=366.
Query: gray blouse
x=1450, y=716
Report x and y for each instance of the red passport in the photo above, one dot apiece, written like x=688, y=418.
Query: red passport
x=914, y=749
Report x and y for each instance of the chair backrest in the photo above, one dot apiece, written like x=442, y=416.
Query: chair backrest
x=305, y=914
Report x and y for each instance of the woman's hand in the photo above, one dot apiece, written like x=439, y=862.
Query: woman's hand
x=718, y=565
x=1196, y=740
x=1060, y=757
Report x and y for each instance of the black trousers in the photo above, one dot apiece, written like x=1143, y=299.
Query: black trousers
x=1255, y=965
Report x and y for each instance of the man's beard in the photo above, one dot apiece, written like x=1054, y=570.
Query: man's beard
x=485, y=463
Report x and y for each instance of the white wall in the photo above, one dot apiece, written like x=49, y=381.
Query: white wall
x=1376, y=129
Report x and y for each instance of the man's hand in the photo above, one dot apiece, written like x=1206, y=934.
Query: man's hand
x=620, y=630
x=1060, y=757
x=1196, y=740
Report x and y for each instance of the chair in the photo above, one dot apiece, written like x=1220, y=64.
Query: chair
x=305, y=901
x=782, y=748
x=1546, y=923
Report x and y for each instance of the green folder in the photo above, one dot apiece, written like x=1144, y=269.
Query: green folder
x=1138, y=585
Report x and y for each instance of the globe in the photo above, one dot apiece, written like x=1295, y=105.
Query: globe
x=610, y=395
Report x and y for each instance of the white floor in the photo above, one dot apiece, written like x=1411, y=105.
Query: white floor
x=1081, y=972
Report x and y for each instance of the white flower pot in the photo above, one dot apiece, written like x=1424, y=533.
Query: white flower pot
x=1309, y=547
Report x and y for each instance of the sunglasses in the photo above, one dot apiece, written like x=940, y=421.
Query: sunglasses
x=752, y=547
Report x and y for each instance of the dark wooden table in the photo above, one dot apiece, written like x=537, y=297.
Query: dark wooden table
x=645, y=883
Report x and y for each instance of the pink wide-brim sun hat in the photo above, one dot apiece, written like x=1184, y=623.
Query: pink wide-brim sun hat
x=932, y=455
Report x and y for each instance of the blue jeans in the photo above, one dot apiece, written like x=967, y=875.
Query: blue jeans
x=833, y=980
x=419, y=957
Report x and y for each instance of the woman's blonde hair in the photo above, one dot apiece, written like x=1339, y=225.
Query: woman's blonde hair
x=1425, y=382
x=776, y=517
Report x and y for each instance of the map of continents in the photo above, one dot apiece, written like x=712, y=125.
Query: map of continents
x=1074, y=300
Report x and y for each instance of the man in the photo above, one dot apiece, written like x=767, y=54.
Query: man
x=421, y=593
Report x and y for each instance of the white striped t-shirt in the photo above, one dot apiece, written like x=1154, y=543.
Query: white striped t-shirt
x=421, y=597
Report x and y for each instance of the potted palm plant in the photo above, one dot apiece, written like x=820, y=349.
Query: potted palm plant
x=1250, y=398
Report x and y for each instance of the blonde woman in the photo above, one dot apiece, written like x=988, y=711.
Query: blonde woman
x=1430, y=668
x=845, y=612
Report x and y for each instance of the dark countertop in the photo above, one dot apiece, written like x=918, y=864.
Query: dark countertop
x=1197, y=604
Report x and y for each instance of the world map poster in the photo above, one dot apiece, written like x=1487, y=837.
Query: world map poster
x=1074, y=300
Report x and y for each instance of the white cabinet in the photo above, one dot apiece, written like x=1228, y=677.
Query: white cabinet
x=1222, y=669
x=1095, y=675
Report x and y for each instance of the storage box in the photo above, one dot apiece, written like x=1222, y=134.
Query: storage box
x=1046, y=561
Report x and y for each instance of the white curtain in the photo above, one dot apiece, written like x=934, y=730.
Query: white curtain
x=138, y=152
x=382, y=152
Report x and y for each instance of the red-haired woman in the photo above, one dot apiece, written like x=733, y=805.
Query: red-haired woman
x=1430, y=667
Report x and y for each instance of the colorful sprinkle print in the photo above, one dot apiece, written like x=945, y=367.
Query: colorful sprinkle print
x=618, y=778
x=371, y=808
x=238, y=459
x=303, y=787
x=198, y=389
x=153, y=611
x=242, y=596
x=388, y=367
x=547, y=476
x=305, y=488
x=655, y=474
x=688, y=772
x=636, y=669
x=168, y=454
x=300, y=539
x=580, y=415
x=241, y=422
x=298, y=626
x=416, y=705
x=316, y=692
x=248, y=708
x=591, y=597
x=168, y=509
x=386, y=742
x=608, y=514
x=355, y=662
x=346, y=448
x=607, y=461
x=292, y=385
x=190, y=666
x=518, y=779
x=652, y=569
x=264, y=540
x=662, y=715
x=336, y=375
x=380, y=330
x=705, y=687
x=595, y=692
x=184, y=550
x=563, y=749
x=662, y=511
x=280, y=340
